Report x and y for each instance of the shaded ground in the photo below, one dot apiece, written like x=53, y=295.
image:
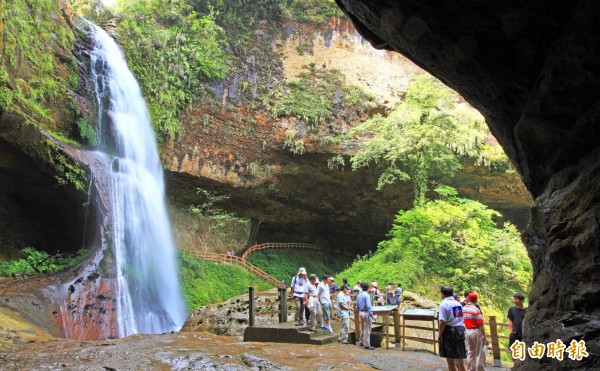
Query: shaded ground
x=204, y=351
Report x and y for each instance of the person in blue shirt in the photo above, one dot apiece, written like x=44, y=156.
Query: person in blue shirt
x=343, y=309
x=363, y=304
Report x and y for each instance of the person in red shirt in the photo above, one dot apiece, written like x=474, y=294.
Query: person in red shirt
x=475, y=338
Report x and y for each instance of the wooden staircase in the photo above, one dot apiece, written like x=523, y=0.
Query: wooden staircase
x=223, y=258
x=243, y=262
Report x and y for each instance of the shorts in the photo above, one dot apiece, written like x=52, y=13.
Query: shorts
x=512, y=338
x=452, y=343
x=326, y=311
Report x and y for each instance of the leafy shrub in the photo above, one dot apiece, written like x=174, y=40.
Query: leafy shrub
x=454, y=241
x=283, y=264
x=37, y=262
x=320, y=97
x=171, y=49
x=87, y=132
x=204, y=282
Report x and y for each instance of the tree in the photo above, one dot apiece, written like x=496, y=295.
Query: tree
x=450, y=241
x=424, y=136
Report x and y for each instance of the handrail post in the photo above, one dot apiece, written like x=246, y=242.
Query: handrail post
x=396, y=327
x=282, y=305
x=495, y=342
x=357, y=333
x=251, y=306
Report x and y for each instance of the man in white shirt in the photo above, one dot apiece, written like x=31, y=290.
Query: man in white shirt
x=312, y=303
x=451, y=333
x=325, y=300
x=297, y=290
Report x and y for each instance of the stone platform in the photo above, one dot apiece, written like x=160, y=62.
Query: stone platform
x=288, y=332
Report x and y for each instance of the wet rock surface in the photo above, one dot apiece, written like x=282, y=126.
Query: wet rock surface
x=260, y=364
x=532, y=69
x=204, y=351
x=230, y=317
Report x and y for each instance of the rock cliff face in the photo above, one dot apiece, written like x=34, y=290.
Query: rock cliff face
x=41, y=194
x=532, y=70
x=237, y=150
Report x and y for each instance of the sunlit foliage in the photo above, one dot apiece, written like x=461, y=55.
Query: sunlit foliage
x=425, y=136
x=450, y=241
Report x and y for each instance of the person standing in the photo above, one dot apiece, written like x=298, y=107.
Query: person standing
x=451, y=330
x=358, y=287
x=333, y=287
x=397, y=294
x=516, y=314
x=312, y=303
x=297, y=291
x=343, y=308
x=475, y=334
x=363, y=304
x=325, y=300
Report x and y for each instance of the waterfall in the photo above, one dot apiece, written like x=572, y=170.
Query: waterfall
x=148, y=298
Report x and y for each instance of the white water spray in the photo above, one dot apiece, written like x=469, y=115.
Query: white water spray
x=149, y=299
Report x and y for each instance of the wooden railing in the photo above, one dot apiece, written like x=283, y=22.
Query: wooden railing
x=277, y=245
x=270, y=300
x=289, y=245
x=223, y=258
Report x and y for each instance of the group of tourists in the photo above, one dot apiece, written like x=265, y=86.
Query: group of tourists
x=461, y=334
x=314, y=306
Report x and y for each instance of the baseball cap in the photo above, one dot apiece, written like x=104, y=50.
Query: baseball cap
x=301, y=271
x=312, y=276
x=473, y=296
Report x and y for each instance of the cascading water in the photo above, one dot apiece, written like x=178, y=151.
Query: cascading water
x=148, y=298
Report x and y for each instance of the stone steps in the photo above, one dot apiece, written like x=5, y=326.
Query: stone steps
x=289, y=333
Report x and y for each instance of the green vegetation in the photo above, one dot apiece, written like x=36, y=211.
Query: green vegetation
x=87, y=132
x=425, y=136
x=208, y=209
x=47, y=79
x=68, y=172
x=284, y=264
x=37, y=262
x=94, y=10
x=204, y=282
x=450, y=241
x=320, y=97
x=178, y=50
x=172, y=50
x=310, y=11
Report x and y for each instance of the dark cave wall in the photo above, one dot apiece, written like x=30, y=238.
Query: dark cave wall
x=34, y=210
x=533, y=69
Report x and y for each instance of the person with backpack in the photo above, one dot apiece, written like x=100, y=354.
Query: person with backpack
x=297, y=291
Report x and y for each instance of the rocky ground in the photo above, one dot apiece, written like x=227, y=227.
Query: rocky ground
x=25, y=346
x=204, y=351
